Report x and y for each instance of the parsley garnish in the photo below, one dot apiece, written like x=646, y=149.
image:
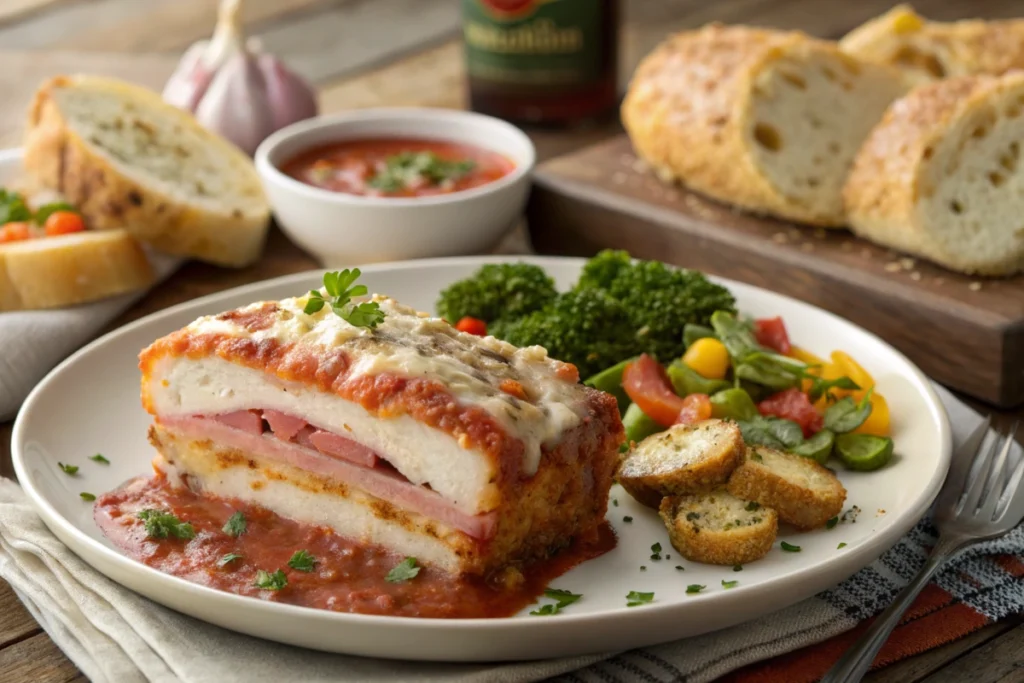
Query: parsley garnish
x=789, y=548
x=562, y=598
x=695, y=588
x=737, y=567
x=403, y=571
x=415, y=168
x=228, y=559
x=840, y=546
x=85, y=495
x=627, y=519
x=235, y=525
x=656, y=551
x=634, y=598
x=303, y=561
x=68, y=469
x=162, y=524
x=831, y=523
x=643, y=568
x=615, y=502
x=99, y=458
x=680, y=567
x=340, y=293
x=270, y=582
x=729, y=584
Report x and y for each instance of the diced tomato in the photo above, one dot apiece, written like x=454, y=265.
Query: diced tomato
x=647, y=385
x=472, y=326
x=793, y=404
x=14, y=232
x=771, y=332
x=696, y=407
x=63, y=223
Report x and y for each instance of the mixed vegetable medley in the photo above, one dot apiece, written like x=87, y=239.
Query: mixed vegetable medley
x=20, y=222
x=670, y=346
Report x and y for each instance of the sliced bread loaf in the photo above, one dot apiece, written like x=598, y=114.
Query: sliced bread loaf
x=682, y=459
x=52, y=272
x=940, y=177
x=765, y=120
x=719, y=528
x=929, y=50
x=128, y=160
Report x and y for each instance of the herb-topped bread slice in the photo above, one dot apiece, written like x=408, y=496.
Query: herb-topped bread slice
x=126, y=159
x=768, y=121
x=804, y=493
x=941, y=177
x=718, y=527
x=683, y=459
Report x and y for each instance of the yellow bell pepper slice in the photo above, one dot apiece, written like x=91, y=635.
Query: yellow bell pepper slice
x=854, y=371
x=708, y=358
x=807, y=357
x=878, y=421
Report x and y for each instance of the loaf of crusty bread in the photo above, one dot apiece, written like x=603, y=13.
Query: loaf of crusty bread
x=765, y=120
x=940, y=176
x=929, y=50
x=128, y=160
x=53, y=272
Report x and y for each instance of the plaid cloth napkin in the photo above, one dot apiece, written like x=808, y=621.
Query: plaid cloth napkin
x=116, y=636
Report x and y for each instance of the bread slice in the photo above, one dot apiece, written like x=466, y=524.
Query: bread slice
x=682, y=459
x=765, y=120
x=719, y=528
x=940, y=177
x=52, y=272
x=128, y=160
x=804, y=493
x=926, y=51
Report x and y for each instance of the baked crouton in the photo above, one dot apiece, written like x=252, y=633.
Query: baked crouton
x=718, y=527
x=804, y=493
x=683, y=459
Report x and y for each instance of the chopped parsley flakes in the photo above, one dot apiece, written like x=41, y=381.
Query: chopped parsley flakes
x=85, y=495
x=270, y=582
x=634, y=598
x=68, y=469
x=831, y=523
x=302, y=561
x=680, y=568
x=627, y=519
x=235, y=525
x=562, y=598
x=789, y=548
x=840, y=546
x=729, y=584
x=403, y=571
x=99, y=458
x=656, y=551
x=737, y=567
x=228, y=559
x=162, y=524
x=695, y=588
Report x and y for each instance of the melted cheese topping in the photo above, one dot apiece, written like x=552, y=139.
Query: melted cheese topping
x=412, y=344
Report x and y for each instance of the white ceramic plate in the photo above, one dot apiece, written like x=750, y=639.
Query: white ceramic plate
x=90, y=404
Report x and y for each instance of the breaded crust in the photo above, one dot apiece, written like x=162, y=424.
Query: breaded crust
x=804, y=493
x=719, y=528
x=681, y=460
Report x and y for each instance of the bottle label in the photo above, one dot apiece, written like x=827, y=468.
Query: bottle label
x=533, y=42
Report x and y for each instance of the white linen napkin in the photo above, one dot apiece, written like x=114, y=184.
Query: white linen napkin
x=117, y=636
x=33, y=342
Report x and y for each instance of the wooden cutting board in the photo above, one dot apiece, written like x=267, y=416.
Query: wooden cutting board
x=967, y=333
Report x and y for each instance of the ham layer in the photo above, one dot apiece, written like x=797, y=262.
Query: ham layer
x=329, y=455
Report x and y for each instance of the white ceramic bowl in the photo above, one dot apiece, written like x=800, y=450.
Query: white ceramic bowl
x=342, y=229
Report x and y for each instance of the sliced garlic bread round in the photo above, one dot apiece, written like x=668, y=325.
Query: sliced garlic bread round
x=926, y=51
x=765, y=120
x=804, y=493
x=52, y=272
x=719, y=528
x=940, y=176
x=682, y=459
x=126, y=159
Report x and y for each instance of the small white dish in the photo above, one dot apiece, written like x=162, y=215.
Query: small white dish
x=63, y=421
x=342, y=229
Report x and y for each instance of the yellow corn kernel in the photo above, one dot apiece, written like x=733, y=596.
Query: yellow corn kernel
x=878, y=421
x=853, y=370
x=708, y=358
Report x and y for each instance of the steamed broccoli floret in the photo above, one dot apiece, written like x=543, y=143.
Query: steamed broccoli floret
x=503, y=290
x=659, y=300
x=587, y=328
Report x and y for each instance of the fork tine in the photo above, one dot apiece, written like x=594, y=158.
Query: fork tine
x=955, y=484
x=977, y=483
x=997, y=481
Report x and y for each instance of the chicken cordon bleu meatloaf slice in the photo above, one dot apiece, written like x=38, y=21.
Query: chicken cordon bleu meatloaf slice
x=462, y=451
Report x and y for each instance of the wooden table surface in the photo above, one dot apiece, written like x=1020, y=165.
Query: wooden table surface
x=363, y=53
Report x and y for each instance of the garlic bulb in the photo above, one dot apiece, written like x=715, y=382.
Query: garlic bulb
x=235, y=89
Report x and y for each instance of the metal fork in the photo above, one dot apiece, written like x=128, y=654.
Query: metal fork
x=981, y=499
